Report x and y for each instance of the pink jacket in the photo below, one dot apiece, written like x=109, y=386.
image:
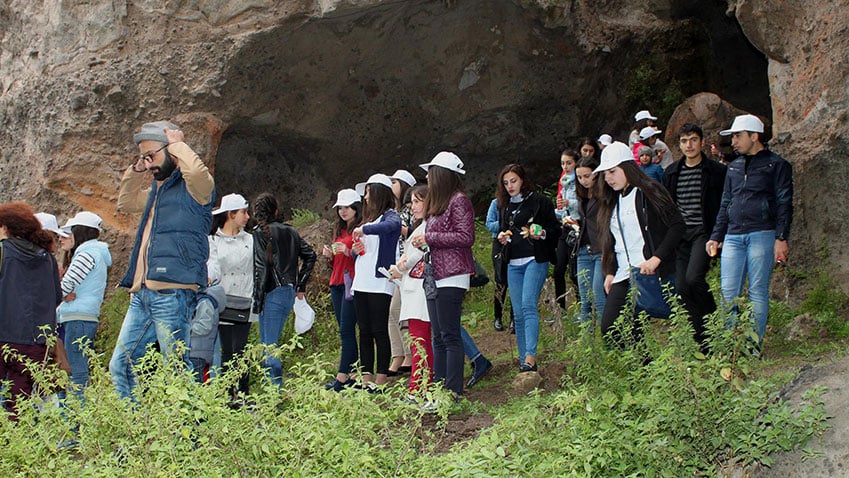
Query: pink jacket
x=450, y=236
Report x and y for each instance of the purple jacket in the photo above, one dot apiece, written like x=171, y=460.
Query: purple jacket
x=450, y=236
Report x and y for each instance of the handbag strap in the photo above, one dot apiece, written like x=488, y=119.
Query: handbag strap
x=622, y=234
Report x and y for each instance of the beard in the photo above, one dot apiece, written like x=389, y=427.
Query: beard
x=161, y=173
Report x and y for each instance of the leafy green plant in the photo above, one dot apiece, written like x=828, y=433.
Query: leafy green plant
x=303, y=217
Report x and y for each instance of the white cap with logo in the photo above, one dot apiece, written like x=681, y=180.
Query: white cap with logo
x=648, y=132
x=614, y=155
x=741, y=123
x=84, y=218
x=49, y=223
x=644, y=114
x=444, y=159
x=231, y=202
x=346, y=197
x=373, y=179
x=404, y=175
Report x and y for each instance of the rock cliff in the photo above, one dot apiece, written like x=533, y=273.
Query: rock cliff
x=305, y=97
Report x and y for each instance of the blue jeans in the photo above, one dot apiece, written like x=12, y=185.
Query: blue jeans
x=346, y=318
x=78, y=336
x=525, y=283
x=590, y=284
x=752, y=254
x=469, y=348
x=276, y=308
x=161, y=316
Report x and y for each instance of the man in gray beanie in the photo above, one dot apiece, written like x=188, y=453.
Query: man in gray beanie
x=172, y=188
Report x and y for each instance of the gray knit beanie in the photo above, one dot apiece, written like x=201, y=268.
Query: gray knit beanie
x=154, y=132
x=645, y=150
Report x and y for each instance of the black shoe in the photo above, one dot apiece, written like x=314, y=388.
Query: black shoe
x=392, y=373
x=478, y=372
x=526, y=367
x=498, y=325
x=405, y=369
x=337, y=386
x=513, y=327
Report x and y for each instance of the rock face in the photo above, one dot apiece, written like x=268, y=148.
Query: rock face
x=302, y=98
x=806, y=45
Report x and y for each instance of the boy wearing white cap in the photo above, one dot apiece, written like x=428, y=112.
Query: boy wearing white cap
x=754, y=218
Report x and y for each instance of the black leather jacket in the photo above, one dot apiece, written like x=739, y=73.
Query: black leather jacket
x=286, y=247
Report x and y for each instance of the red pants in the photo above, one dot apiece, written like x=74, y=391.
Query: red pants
x=13, y=369
x=422, y=348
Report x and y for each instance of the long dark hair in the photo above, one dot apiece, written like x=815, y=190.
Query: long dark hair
x=266, y=211
x=442, y=183
x=655, y=194
x=402, y=194
x=82, y=234
x=20, y=221
x=380, y=199
x=501, y=193
x=587, y=141
x=348, y=226
x=598, y=183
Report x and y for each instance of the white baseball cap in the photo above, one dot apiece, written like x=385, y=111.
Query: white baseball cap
x=84, y=218
x=49, y=223
x=605, y=139
x=404, y=175
x=648, y=132
x=644, y=114
x=346, y=197
x=444, y=159
x=614, y=155
x=744, y=123
x=373, y=179
x=231, y=202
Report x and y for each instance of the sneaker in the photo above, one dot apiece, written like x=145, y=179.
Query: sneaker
x=479, y=371
x=549, y=320
x=513, y=327
x=498, y=325
x=337, y=386
x=430, y=406
x=526, y=367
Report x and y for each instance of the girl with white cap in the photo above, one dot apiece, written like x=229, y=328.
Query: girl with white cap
x=231, y=252
x=83, y=286
x=375, y=245
x=449, y=236
x=639, y=227
x=349, y=212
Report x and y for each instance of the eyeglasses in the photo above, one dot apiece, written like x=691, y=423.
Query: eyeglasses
x=148, y=156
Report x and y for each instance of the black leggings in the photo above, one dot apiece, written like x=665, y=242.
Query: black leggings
x=565, y=263
x=616, y=301
x=373, y=319
x=234, y=339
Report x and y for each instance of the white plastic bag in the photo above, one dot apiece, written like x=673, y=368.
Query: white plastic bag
x=304, y=316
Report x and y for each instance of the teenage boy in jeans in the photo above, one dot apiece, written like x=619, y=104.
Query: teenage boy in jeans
x=754, y=217
x=695, y=183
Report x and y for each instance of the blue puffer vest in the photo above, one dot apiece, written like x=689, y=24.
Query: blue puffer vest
x=178, y=247
x=90, y=291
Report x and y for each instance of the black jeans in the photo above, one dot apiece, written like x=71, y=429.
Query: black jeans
x=448, y=356
x=234, y=339
x=565, y=264
x=373, y=319
x=616, y=301
x=691, y=267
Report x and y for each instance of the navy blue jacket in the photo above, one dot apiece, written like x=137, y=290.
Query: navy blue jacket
x=29, y=292
x=178, y=247
x=757, y=196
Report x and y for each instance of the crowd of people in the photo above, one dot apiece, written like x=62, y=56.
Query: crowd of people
x=625, y=216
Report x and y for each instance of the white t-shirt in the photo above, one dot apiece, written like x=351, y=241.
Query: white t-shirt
x=365, y=266
x=628, y=241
